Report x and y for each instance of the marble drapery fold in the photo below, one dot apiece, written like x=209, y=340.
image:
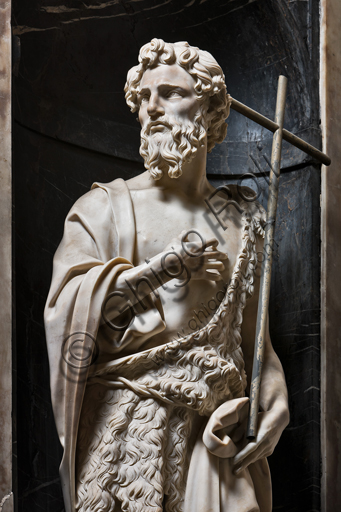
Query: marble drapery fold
x=211, y=483
x=97, y=245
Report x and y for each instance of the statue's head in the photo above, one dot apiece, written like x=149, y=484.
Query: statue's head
x=180, y=95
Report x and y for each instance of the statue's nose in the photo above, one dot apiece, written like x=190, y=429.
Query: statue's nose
x=154, y=108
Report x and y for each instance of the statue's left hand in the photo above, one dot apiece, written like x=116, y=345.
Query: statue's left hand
x=270, y=427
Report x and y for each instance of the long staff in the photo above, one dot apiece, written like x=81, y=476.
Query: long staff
x=265, y=280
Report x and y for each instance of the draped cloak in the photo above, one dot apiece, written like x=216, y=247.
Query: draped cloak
x=98, y=244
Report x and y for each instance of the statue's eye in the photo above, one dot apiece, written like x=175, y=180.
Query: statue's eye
x=174, y=94
x=143, y=98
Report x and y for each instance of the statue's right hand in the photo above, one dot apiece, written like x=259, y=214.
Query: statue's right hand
x=201, y=260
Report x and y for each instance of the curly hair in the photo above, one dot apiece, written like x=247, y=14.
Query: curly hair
x=209, y=79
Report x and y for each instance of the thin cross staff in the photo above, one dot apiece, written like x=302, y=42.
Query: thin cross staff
x=264, y=292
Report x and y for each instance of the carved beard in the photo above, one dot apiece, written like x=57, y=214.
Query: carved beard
x=169, y=149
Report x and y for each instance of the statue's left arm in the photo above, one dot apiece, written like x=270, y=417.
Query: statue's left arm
x=274, y=415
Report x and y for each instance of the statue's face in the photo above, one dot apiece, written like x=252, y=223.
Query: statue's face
x=167, y=90
x=169, y=114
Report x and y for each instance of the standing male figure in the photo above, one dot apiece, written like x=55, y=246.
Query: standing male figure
x=151, y=317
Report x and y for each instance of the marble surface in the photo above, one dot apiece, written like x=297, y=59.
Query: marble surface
x=58, y=157
x=6, y=496
x=182, y=107
x=331, y=256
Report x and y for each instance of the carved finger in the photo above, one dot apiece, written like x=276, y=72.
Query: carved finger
x=213, y=276
x=212, y=242
x=216, y=265
x=215, y=255
x=245, y=452
x=257, y=454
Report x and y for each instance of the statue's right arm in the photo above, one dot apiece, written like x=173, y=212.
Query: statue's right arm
x=88, y=248
x=172, y=263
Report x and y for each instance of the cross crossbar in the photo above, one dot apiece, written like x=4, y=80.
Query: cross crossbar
x=288, y=136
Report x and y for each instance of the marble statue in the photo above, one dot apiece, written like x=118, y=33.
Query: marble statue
x=150, y=320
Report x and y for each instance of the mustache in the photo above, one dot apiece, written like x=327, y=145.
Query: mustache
x=165, y=121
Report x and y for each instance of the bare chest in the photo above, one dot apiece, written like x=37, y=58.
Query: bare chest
x=158, y=222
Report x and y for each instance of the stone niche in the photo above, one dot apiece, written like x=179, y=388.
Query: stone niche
x=71, y=126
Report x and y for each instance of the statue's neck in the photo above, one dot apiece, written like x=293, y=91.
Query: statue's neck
x=193, y=181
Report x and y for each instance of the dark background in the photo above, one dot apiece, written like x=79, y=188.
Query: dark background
x=72, y=127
